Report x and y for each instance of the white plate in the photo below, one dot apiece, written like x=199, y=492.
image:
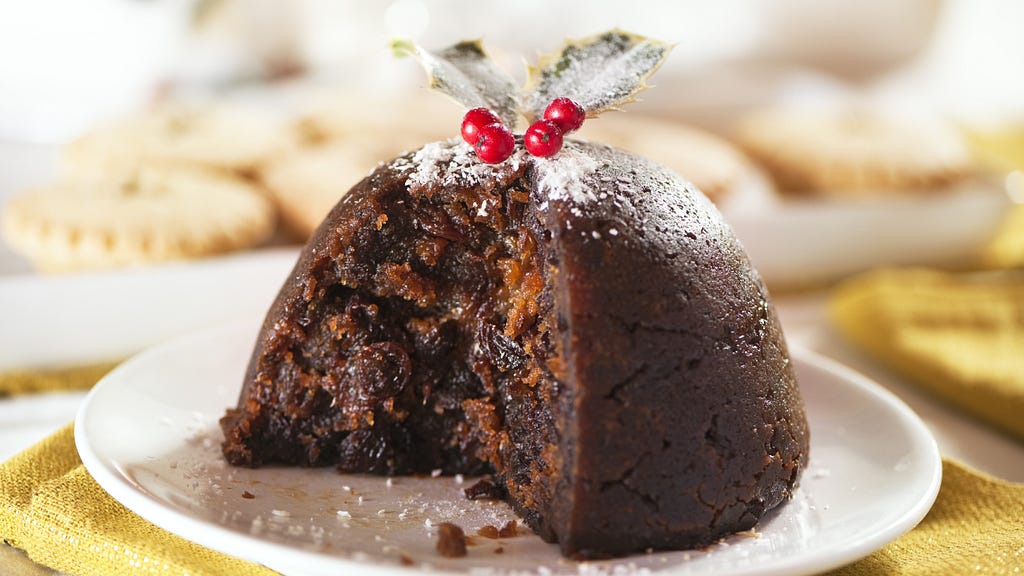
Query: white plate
x=110, y=315
x=148, y=434
x=795, y=241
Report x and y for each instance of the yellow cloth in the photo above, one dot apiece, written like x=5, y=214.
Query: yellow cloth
x=53, y=380
x=1000, y=151
x=959, y=336
x=1006, y=250
x=975, y=527
x=51, y=508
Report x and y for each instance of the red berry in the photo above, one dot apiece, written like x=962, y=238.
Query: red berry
x=494, y=143
x=543, y=138
x=567, y=114
x=474, y=120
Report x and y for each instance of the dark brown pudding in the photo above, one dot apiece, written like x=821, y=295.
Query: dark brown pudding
x=585, y=328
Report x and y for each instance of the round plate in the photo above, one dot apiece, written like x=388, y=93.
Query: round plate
x=148, y=434
x=136, y=307
x=799, y=241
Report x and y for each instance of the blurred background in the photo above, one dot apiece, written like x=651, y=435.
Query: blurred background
x=68, y=68
x=64, y=65
x=161, y=162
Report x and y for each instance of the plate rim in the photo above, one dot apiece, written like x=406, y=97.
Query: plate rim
x=151, y=508
x=849, y=230
x=914, y=514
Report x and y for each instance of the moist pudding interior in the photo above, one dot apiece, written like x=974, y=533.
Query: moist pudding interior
x=426, y=342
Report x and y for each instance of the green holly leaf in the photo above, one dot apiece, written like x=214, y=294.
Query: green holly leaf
x=599, y=73
x=466, y=73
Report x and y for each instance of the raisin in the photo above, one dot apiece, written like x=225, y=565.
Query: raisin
x=358, y=325
x=376, y=372
x=364, y=312
x=433, y=340
x=484, y=489
x=365, y=451
x=458, y=384
x=437, y=223
x=502, y=351
x=469, y=273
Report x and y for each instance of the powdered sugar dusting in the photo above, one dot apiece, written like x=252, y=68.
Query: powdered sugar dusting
x=566, y=176
x=453, y=163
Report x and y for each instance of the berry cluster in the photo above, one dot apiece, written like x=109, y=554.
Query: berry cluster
x=494, y=142
x=544, y=137
x=483, y=130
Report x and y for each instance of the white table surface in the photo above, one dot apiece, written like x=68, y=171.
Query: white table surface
x=26, y=420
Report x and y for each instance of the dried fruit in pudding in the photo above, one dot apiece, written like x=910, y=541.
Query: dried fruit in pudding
x=585, y=328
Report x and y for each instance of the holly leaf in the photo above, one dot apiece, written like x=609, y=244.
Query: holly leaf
x=467, y=74
x=599, y=73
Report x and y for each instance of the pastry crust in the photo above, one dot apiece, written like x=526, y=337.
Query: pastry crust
x=146, y=215
x=217, y=137
x=854, y=152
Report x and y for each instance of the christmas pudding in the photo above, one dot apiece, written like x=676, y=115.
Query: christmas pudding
x=572, y=319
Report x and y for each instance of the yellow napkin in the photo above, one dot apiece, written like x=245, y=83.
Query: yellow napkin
x=998, y=149
x=975, y=527
x=1006, y=250
x=51, y=508
x=1001, y=151
x=959, y=336
x=53, y=380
